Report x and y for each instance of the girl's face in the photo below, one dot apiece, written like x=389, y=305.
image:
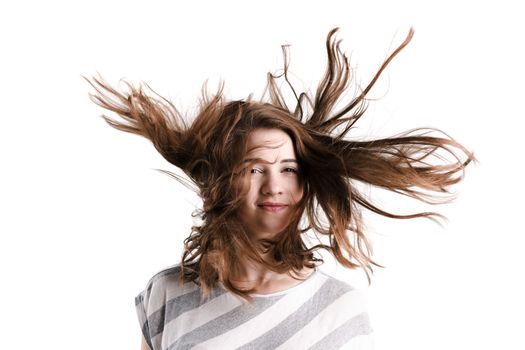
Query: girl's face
x=274, y=188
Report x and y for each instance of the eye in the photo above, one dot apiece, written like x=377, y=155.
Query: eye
x=285, y=170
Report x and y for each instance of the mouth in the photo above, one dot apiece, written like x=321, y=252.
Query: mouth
x=273, y=207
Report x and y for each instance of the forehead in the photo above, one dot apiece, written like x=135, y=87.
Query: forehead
x=269, y=141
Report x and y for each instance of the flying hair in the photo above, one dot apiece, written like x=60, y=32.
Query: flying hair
x=421, y=163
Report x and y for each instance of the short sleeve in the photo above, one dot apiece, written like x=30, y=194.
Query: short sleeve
x=140, y=306
x=150, y=302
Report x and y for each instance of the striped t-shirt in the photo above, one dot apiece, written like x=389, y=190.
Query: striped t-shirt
x=319, y=313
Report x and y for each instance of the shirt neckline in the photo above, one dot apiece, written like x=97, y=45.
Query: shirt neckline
x=286, y=291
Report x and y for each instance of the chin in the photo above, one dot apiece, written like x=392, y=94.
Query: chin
x=270, y=230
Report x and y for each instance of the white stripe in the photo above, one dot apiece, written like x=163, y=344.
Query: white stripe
x=334, y=315
x=266, y=320
x=361, y=342
x=195, y=318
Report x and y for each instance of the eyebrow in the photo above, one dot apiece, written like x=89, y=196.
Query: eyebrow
x=290, y=160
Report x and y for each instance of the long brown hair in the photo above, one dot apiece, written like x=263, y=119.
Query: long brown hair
x=212, y=147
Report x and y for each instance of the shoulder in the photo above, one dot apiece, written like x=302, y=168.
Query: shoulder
x=346, y=314
x=335, y=286
x=163, y=286
x=164, y=277
x=343, y=297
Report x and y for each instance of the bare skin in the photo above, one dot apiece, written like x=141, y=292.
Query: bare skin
x=276, y=183
x=254, y=276
x=144, y=345
x=274, y=190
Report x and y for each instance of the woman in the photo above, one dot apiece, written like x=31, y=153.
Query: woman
x=268, y=176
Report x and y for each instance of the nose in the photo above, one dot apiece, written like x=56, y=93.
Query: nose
x=271, y=185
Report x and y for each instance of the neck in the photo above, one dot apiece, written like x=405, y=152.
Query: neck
x=256, y=276
x=251, y=271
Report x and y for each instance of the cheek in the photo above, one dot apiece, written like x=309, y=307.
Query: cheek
x=297, y=189
x=248, y=194
x=298, y=195
x=251, y=192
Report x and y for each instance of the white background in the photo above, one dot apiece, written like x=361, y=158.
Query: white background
x=85, y=221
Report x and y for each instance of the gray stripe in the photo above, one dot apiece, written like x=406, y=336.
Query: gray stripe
x=329, y=291
x=139, y=298
x=166, y=272
x=357, y=325
x=224, y=323
x=177, y=306
x=141, y=313
x=145, y=333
